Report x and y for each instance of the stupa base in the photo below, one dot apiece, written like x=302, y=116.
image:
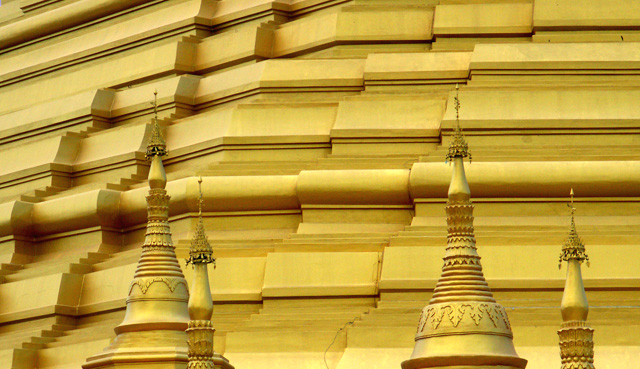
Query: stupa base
x=160, y=358
x=148, y=349
x=465, y=362
x=476, y=367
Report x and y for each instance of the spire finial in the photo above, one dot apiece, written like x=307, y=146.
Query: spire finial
x=458, y=146
x=156, y=146
x=200, y=251
x=573, y=248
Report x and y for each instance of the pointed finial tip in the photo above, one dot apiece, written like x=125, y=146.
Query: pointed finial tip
x=573, y=209
x=200, y=200
x=154, y=103
x=571, y=194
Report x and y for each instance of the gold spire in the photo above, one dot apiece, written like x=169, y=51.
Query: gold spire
x=200, y=331
x=158, y=295
x=576, y=337
x=462, y=325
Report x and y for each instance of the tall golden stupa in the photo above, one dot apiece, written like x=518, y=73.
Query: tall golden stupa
x=320, y=130
x=463, y=325
x=153, y=332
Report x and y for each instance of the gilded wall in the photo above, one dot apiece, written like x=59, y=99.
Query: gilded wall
x=320, y=129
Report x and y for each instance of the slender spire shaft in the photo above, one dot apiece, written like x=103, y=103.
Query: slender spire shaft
x=576, y=337
x=462, y=325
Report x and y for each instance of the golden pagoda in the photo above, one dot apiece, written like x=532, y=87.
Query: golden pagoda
x=463, y=325
x=153, y=331
x=576, y=337
x=200, y=331
x=320, y=129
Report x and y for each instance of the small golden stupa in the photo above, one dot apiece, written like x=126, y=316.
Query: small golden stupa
x=152, y=334
x=200, y=331
x=576, y=337
x=463, y=326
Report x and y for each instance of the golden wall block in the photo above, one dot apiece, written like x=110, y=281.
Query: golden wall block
x=593, y=15
x=385, y=68
x=483, y=19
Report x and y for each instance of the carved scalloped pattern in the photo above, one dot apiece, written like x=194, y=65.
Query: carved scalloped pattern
x=454, y=313
x=145, y=283
x=578, y=366
x=576, y=348
x=200, y=364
